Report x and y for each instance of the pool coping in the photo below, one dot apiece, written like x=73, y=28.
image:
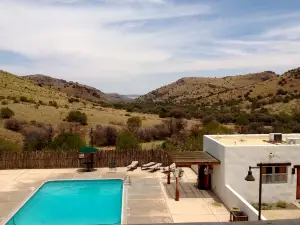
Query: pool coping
x=124, y=197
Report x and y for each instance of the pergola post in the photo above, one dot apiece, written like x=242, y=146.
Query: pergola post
x=169, y=176
x=177, y=190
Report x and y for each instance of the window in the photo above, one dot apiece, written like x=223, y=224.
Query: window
x=274, y=174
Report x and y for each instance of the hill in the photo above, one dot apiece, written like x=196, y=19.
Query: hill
x=242, y=89
x=33, y=104
x=75, y=89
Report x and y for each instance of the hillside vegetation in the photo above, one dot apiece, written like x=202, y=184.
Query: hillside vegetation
x=36, y=106
x=75, y=89
x=243, y=89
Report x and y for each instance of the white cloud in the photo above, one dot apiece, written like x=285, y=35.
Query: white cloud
x=117, y=39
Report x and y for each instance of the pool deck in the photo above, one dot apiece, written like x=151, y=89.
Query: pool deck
x=148, y=199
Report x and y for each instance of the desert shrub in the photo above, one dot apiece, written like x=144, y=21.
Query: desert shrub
x=117, y=123
x=163, y=114
x=225, y=117
x=161, y=131
x=4, y=102
x=71, y=100
x=242, y=119
x=6, y=113
x=215, y=128
x=127, y=141
x=13, y=124
x=281, y=204
x=6, y=146
x=195, y=130
x=104, y=135
x=127, y=114
x=175, y=126
x=67, y=141
x=144, y=134
x=281, y=92
x=70, y=127
x=23, y=99
x=36, y=139
x=77, y=116
x=134, y=123
x=208, y=119
x=53, y=103
x=178, y=114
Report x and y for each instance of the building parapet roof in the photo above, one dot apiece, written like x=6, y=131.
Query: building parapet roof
x=251, y=139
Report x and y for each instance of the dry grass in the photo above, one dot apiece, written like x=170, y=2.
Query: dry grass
x=191, y=88
x=14, y=86
x=197, y=90
x=145, y=146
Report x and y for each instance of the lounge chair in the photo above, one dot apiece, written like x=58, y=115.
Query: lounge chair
x=133, y=165
x=154, y=167
x=147, y=165
x=167, y=168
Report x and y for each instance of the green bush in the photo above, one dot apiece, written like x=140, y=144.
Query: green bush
x=127, y=141
x=6, y=145
x=6, y=113
x=77, y=116
x=281, y=204
x=134, y=123
x=265, y=206
x=67, y=141
x=242, y=119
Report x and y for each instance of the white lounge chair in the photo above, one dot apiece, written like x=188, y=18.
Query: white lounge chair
x=154, y=167
x=133, y=165
x=147, y=165
x=167, y=168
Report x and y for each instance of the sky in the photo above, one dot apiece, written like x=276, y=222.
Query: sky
x=135, y=46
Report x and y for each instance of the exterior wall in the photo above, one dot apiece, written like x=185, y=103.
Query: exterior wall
x=239, y=158
x=218, y=173
x=233, y=199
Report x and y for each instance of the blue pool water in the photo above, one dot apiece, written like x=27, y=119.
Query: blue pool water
x=86, y=202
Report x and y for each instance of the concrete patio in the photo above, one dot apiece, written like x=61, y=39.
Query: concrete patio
x=149, y=199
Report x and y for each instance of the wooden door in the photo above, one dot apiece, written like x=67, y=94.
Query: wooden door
x=298, y=184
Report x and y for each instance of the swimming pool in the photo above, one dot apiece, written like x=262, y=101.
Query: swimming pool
x=74, y=202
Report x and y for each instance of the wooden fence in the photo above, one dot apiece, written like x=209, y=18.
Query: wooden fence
x=70, y=159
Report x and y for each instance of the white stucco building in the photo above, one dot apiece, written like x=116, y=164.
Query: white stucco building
x=281, y=171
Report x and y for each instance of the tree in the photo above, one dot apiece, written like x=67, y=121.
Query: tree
x=127, y=141
x=242, y=120
x=35, y=139
x=6, y=113
x=77, y=116
x=175, y=126
x=134, y=123
x=67, y=141
x=105, y=135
